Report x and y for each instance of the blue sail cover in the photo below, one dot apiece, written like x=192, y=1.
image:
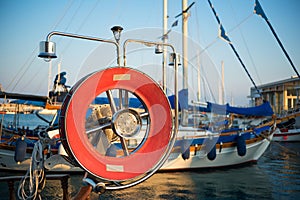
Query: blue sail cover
x=264, y=109
x=136, y=103
x=133, y=102
x=182, y=99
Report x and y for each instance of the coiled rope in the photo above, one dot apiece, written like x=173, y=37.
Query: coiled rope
x=35, y=177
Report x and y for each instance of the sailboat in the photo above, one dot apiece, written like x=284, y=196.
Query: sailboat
x=234, y=135
x=17, y=141
x=289, y=127
x=119, y=126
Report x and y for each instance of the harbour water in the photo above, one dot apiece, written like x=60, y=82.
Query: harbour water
x=26, y=120
x=275, y=176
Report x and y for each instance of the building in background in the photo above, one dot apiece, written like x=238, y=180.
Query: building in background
x=283, y=95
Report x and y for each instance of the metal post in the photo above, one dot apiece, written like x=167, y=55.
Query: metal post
x=165, y=40
x=86, y=38
x=184, y=113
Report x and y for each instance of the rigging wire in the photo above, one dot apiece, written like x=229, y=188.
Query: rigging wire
x=73, y=16
x=217, y=38
x=71, y=19
x=86, y=18
x=205, y=50
x=259, y=11
x=233, y=48
x=205, y=84
x=245, y=43
x=26, y=69
x=39, y=84
x=81, y=25
x=67, y=8
x=209, y=88
x=32, y=56
x=59, y=21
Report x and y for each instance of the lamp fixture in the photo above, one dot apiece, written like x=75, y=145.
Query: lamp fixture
x=117, y=32
x=47, y=50
x=158, y=49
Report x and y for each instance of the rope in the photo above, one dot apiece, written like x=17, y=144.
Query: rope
x=80, y=26
x=217, y=38
x=234, y=50
x=34, y=176
x=28, y=63
x=245, y=43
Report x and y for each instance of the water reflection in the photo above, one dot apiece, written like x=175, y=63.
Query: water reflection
x=238, y=183
x=281, y=164
x=275, y=176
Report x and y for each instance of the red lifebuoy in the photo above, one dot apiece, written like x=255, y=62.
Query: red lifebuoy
x=73, y=116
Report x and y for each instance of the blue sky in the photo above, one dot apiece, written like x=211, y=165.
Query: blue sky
x=25, y=23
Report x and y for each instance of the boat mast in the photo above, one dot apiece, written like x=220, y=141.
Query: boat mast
x=185, y=15
x=198, y=76
x=184, y=44
x=222, y=84
x=49, y=76
x=165, y=40
x=58, y=74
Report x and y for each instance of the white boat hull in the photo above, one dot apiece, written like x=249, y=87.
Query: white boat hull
x=55, y=164
x=227, y=157
x=292, y=135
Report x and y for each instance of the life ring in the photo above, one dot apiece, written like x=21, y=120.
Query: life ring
x=149, y=153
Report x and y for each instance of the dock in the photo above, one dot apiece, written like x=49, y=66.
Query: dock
x=64, y=178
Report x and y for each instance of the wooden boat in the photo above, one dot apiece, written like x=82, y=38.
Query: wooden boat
x=13, y=133
x=14, y=158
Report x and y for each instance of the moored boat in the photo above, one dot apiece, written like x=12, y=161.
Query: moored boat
x=201, y=144
x=122, y=145
x=242, y=140
x=13, y=133
x=287, y=135
x=289, y=128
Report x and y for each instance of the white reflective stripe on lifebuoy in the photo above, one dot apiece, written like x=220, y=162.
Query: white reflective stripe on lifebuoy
x=73, y=119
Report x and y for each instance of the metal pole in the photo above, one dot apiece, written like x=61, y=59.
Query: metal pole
x=176, y=125
x=49, y=76
x=86, y=38
x=184, y=112
x=184, y=44
x=223, y=84
x=165, y=40
x=199, y=77
x=175, y=60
